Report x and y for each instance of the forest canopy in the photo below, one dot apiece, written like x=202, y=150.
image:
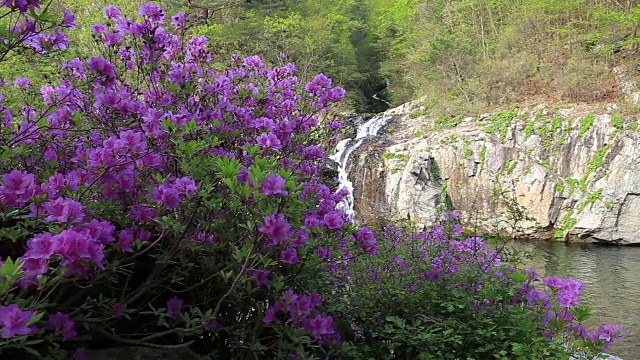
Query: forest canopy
x=461, y=54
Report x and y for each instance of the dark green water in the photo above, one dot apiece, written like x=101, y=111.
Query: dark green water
x=612, y=278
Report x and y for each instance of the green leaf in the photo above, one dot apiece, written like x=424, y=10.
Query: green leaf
x=32, y=351
x=581, y=314
x=35, y=319
x=11, y=268
x=518, y=277
x=191, y=126
x=77, y=119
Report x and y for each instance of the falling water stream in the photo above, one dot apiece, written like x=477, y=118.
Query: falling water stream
x=344, y=149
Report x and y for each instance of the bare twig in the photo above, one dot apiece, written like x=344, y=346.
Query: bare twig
x=143, y=343
x=234, y=283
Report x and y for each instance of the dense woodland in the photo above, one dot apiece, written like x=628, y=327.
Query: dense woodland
x=479, y=53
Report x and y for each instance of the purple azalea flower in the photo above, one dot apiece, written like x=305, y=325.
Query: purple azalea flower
x=179, y=20
x=18, y=187
x=22, y=82
x=276, y=227
x=609, y=333
x=42, y=246
x=211, y=325
x=366, y=240
x=152, y=12
x=174, y=307
x=118, y=309
x=333, y=220
x=271, y=313
x=273, y=185
x=261, y=277
x=289, y=256
x=98, y=29
x=269, y=141
x=319, y=326
x=62, y=325
x=14, y=321
x=63, y=210
x=111, y=12
x=69, y=19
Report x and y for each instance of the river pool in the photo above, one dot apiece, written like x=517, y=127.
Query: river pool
x=612, y=278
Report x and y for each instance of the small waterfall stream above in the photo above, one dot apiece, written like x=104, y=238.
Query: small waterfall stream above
x=345, y=148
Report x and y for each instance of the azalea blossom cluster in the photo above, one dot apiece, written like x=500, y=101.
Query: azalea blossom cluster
x=300, y=311
x=443, y=256
x=558, y=297
x=442, y=253
x=42, y=36
x=17, y=322
x=126, y=148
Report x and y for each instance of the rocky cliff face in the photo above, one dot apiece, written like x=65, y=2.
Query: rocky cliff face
x=548, y=173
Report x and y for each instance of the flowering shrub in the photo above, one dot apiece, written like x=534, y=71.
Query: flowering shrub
x=33, y=28
x=440, y=295
x=149, y=199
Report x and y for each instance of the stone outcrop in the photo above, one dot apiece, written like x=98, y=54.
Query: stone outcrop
x=546, y=173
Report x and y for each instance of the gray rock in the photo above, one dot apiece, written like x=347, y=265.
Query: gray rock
x=579, y=183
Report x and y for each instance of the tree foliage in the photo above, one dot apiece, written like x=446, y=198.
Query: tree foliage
x=488, y=52
x=465, y=54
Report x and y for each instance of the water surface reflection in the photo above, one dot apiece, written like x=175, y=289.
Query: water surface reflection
x=612, y=277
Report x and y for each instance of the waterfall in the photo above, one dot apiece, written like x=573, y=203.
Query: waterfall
x=376, y=97
x=341, y=157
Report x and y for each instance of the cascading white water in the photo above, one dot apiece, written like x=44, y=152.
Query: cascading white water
x=376, y=97
x=341, y=157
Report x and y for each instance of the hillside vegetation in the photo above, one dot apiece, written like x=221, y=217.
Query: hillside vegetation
x=463, y=55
